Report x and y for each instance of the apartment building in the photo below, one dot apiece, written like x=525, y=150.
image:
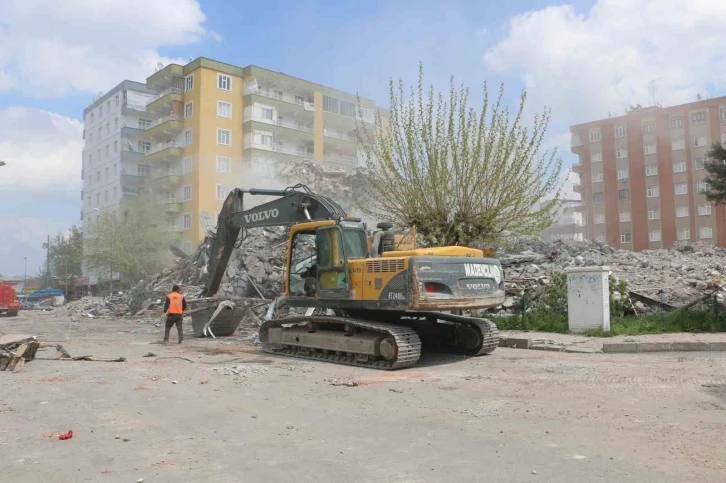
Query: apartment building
x=567, y=223
x=207, y=127
x=642, y=175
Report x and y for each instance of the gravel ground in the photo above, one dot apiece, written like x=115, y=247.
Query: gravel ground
x=237, y=414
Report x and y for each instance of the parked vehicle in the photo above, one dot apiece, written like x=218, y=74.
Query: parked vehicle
x=9, y=303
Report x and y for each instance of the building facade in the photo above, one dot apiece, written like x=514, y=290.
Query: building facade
x=207, y=127
x=642, y=175
x=567, y=223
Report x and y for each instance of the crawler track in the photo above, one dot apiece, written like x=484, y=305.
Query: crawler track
x=407, y=343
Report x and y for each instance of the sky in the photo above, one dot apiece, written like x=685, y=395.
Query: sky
x=582, y=59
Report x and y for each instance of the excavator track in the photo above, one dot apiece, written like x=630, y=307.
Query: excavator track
x=471, y=336
x=402, y=343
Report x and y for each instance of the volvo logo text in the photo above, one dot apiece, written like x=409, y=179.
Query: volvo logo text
x=262, y=215
x=477, y=286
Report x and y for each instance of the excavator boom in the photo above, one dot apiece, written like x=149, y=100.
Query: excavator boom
x=295, y=205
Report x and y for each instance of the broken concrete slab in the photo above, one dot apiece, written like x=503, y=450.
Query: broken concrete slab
x=517, y=343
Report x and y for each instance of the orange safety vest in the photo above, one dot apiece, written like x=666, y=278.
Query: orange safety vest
x=176, y=306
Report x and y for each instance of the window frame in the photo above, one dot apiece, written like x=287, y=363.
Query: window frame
x=651, y=166
x=626, y=239
x=186, y=217
x=675, y=189
x=229, y=105
x=228, y=162
x=188, y=109
x=621, y=131
x=653, y=239
x=220, y=78
x=187, y=192
x=594, y=135
x=652, y=191
x=652, y=212
x=221, y=131
x=189, y=83
x=216, y=192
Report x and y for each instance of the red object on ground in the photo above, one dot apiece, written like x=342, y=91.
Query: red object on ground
x=9, y=302
x=68, y=435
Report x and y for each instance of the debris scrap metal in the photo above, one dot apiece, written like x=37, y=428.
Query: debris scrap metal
x=662, y=279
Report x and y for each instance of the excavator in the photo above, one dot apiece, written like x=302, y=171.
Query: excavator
x=350, y=301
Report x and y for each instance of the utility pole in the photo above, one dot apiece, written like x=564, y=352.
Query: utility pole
x=25, y=274
x=47, y=262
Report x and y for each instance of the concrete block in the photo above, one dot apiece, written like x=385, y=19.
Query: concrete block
x=689, y=346
x=581, y=350
x=518, y=343
x=552, y=348
x=654, y=346
x=717, y=346
x=619, y=347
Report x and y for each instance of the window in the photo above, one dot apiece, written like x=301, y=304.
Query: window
x=620, y=131
x=626, y=237
x=677, y=144
x=100, y=133
x=622, y=174
x=700, y=141
x=98, y=176
x=90, y=138
x=187, y=137
x=598, y=197
x=144, y=146
x=599, y=218
x=187, y=221
x=330, y=104
x=651, y=169
x=702, y=187
x=681, y=188
x=299, y=100
x=224, y=109
x=625, y=216
x=705, y=232
x=655, y=236
x=704, y=210
x=654, y=214
x=108, y=106
x=98, y=198
x=141, y=170
x=594, y=136
x=621, y=153
x=595, y=156
x=676, y=122
x=723, y=114
x=144, y=124
x=189, y=83
x=115, y=124
x=623, y=194
x=91, y=119
x=118, y=102
x=114, y=193
x=263, y=139
x=224, y=164
x=222, y=192
x=105, y=196
x=684, y=234
x=98, y=155
x=108, y=128
x=187, y=192
x=224, y=137
x=652, y=192
x=681, y=211
x=679, y=166
x=224, y=82
x=114, y=169
x=596, y=176
x=700, y=163
x=107, y=151
x=649, y=127
x=187, y=165
x=90, y=202
x=188, y=109
x=90, y=160
x=698, y=118
x=347, y=109
x=100, y=111
x=115, y=146
x=106, y=174
x=264, y=166
x=649, y=149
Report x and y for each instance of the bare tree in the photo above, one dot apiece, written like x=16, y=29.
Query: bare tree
x=460, y=176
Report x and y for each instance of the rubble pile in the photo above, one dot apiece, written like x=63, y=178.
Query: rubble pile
x=676, y=276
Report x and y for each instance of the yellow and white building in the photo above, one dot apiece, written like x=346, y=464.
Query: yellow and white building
x=194, y=132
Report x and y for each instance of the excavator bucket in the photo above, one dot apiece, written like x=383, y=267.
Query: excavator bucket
x=217, y=320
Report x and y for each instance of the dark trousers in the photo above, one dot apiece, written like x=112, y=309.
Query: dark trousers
x=171, y=320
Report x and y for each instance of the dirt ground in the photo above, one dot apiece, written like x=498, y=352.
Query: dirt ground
x=195, y=414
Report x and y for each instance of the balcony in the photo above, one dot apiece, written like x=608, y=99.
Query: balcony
x=132, y=132
x=132, y=108
x=578, y=188
x=165, y=178
x=171, y=205
x=577, y=168
x=164, y=152
x=165, y=99
x=130, y=155
x=331, y=133
x=282, y=149
x=575, y=141
x=165, y=126
x=164, y=77
x=295, y=125
x=282, y=96
x=132, y=182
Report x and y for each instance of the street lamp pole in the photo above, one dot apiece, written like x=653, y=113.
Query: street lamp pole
x=25, y=273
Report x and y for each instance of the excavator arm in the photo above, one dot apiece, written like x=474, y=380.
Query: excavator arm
x=295, y=204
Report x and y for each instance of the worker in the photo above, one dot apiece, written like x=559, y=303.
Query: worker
x=174, y=308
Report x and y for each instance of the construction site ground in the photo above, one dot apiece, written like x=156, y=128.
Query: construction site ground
x=192, y=413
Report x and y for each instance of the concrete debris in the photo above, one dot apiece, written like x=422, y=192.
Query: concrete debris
x=16, y=350
x=342, y=382
x=673, y=277
x=237, y=370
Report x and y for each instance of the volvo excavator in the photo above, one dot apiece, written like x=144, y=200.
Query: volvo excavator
x=380, y=305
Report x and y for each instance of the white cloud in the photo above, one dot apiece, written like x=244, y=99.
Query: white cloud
x=586, y=65
x=53, y=48
x=43, y=154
